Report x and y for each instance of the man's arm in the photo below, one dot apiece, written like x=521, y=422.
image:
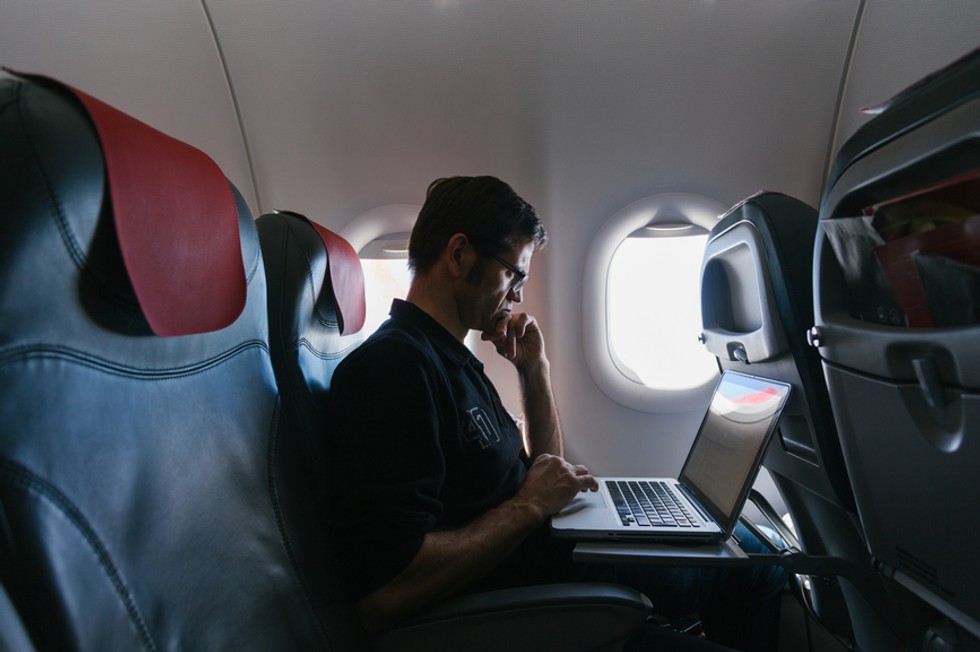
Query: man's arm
x=519, y=339
x=449, y=560
x=542, y=425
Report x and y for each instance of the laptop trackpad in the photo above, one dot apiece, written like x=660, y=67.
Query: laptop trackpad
x=584, y=500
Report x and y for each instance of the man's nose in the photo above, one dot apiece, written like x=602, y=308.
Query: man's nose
x=516, y=295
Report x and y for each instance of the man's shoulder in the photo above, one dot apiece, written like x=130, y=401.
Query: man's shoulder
x=393, y=347
x=391, y=364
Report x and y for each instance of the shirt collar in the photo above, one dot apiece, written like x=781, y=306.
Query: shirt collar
x=443, y=340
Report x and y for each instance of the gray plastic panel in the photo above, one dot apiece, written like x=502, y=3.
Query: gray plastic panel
x=738, y=312
x=914, y=468
x=943, y=147
x=906, y=400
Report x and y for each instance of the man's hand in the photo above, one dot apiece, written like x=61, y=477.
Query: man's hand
x=517, y=338
x=450, y=559
x=552, y=482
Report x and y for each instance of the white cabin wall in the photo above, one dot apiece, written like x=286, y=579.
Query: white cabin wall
x=583, y=106
x=155, y=60
x=899, y=43
x=352, y=105
x=745, y=105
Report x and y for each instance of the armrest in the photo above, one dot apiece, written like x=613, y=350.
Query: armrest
x=547, y=617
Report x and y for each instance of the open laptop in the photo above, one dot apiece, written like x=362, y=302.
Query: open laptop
x=704, y=502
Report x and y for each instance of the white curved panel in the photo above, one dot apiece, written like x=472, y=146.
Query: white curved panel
x=899, y=43
x=582, y=106
x=380, y=221
x=154, y=60
x=353, y=104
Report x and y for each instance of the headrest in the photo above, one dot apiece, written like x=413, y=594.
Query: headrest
x=346, y=277
x=176, y=222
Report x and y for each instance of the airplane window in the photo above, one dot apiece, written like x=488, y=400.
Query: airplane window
x=380, y=236
x=386, y=276
x=643, y=270
x=654, y=309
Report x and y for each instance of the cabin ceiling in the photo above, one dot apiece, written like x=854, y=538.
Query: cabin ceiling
x=337, y=106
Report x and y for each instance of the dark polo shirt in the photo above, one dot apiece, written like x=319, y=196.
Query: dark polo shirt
x=418, y=441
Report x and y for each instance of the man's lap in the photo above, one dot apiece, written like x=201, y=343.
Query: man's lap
x=741, y=604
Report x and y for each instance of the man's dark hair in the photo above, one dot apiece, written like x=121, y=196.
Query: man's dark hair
x=485, y=209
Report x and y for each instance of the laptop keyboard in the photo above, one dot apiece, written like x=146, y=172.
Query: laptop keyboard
x=647, y=503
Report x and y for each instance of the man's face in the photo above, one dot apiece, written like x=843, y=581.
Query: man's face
x=494, y=290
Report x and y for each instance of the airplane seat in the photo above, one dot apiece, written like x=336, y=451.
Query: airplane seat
x=140, y=473
x=896, y=328
x=316, y=312
x=316, y=308
x=13, y=634
x=756, y=302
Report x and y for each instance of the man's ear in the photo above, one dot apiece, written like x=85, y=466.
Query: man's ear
x=457, y=256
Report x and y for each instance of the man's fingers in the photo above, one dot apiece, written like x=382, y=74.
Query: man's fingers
x=586, y=481
x=589, y=482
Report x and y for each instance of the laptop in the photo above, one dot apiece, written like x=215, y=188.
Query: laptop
x=704, y=502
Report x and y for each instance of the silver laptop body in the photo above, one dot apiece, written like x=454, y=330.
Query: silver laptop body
x=712, y=487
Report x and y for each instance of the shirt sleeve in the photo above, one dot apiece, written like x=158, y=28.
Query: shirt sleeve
x=385, y=463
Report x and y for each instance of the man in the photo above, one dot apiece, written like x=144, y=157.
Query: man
x=437, y=487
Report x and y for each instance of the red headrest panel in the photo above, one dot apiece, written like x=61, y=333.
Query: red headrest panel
x=176, y=222
x=346, y=278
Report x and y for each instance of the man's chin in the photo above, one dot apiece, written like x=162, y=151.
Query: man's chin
x=501, y=314
x=490, y=326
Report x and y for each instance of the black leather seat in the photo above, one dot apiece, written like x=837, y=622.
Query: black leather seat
x=308, y=313
x=896, y=327
x=142, y=476
x=757, y=304
x=13, y=634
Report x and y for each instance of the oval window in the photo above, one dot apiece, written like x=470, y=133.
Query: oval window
x=380, y=236
x=643, y=276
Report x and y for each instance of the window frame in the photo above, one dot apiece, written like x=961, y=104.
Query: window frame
x=604, y=367
x=379, y=222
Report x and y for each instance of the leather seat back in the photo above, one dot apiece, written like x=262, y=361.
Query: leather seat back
x=140, y=474
x=316, y=309
x=316, y=312
x=757, y=304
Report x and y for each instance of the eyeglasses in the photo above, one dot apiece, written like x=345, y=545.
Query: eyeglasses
x=519, y=277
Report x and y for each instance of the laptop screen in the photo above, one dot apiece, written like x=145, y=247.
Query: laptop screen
x=725, y=457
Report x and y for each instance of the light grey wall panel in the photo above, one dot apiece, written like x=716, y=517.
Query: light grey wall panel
x=897, y=44
x=352, y=105
x=155, y=60
x=719, y=99
x=583, y=106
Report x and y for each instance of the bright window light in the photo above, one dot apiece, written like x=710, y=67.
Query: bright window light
x=384, y=279
x=654, y=311
x=380, y=236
